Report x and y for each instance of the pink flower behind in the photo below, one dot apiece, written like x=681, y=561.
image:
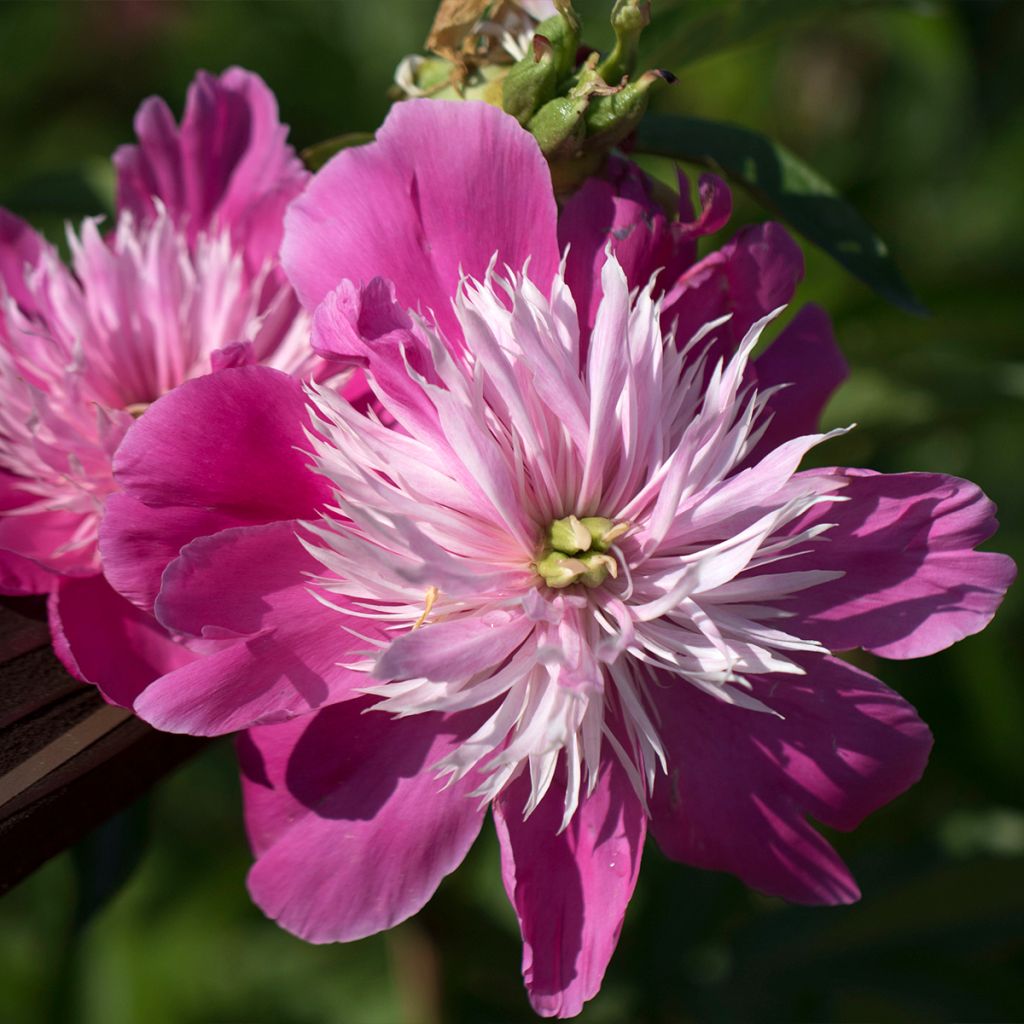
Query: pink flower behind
x=186, y=282
x=571, y=569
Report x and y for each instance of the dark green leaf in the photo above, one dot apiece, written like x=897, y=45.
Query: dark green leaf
x=107, y=858
x=315, y=156
x=788, y=188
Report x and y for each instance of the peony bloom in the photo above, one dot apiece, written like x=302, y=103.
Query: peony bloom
x=186, y=281
x=567, y=568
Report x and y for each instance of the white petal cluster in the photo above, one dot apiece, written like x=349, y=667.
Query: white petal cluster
x=526, y=424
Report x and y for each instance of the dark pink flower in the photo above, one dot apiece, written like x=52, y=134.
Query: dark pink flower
x=568, y=567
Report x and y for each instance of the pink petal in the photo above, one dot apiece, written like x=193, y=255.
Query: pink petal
x=913, y=584
x=103, y=639
x=444, y=187
x=365, y=327
x=227, y=167
x=741, y=783
x=570, y=889
x=452, y=650
x=353, y=832
x=250, y=585
x=804, y=356
x=232, y=441
x=20, y=249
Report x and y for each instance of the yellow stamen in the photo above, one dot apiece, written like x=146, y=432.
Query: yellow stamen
x=430, y=597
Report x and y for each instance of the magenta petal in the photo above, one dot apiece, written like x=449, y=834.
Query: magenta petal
x=21, y=576
x=250, y=584
x=232, y=441
x=741, y=783
x=352, y=829
x=570, y=889
x=102, y=639
x=138, y=541
x=412, y=209
x=806, y=358
x=34, y=546
x=18, y=573
x=715, y=207
x=912, y=583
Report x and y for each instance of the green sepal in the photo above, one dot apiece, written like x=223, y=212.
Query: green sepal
x=530, y=83
x=559, y=125
x=611, y=118
x=629, y=19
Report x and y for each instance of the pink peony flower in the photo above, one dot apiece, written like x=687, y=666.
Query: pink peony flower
x=186, y=282
x=569, y=568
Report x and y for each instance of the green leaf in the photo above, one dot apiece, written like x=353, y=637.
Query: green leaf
x=315, y=156
x=788, y=188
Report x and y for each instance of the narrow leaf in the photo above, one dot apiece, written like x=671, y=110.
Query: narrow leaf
x=315, y=156
x=788, y=188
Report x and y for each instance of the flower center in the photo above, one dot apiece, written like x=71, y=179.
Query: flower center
x=576, y=551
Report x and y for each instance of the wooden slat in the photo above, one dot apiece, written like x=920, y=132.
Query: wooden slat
x=68, y=760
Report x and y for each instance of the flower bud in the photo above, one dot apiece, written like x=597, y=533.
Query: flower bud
x=569, y=535
x=558, y=570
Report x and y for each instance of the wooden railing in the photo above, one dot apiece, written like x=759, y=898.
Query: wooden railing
x=68, y=760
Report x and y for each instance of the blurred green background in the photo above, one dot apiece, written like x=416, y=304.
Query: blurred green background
x=914, y=111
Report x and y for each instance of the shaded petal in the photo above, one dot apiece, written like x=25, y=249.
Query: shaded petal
x=756, y=272
x=103, y=639
x=805, y=357
x=618, y=210
x=352, y=830
x=912, y=583
x=250, y=584
x=232, y=441
x=444, y=186
x=741, y=783
x=570, y=889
